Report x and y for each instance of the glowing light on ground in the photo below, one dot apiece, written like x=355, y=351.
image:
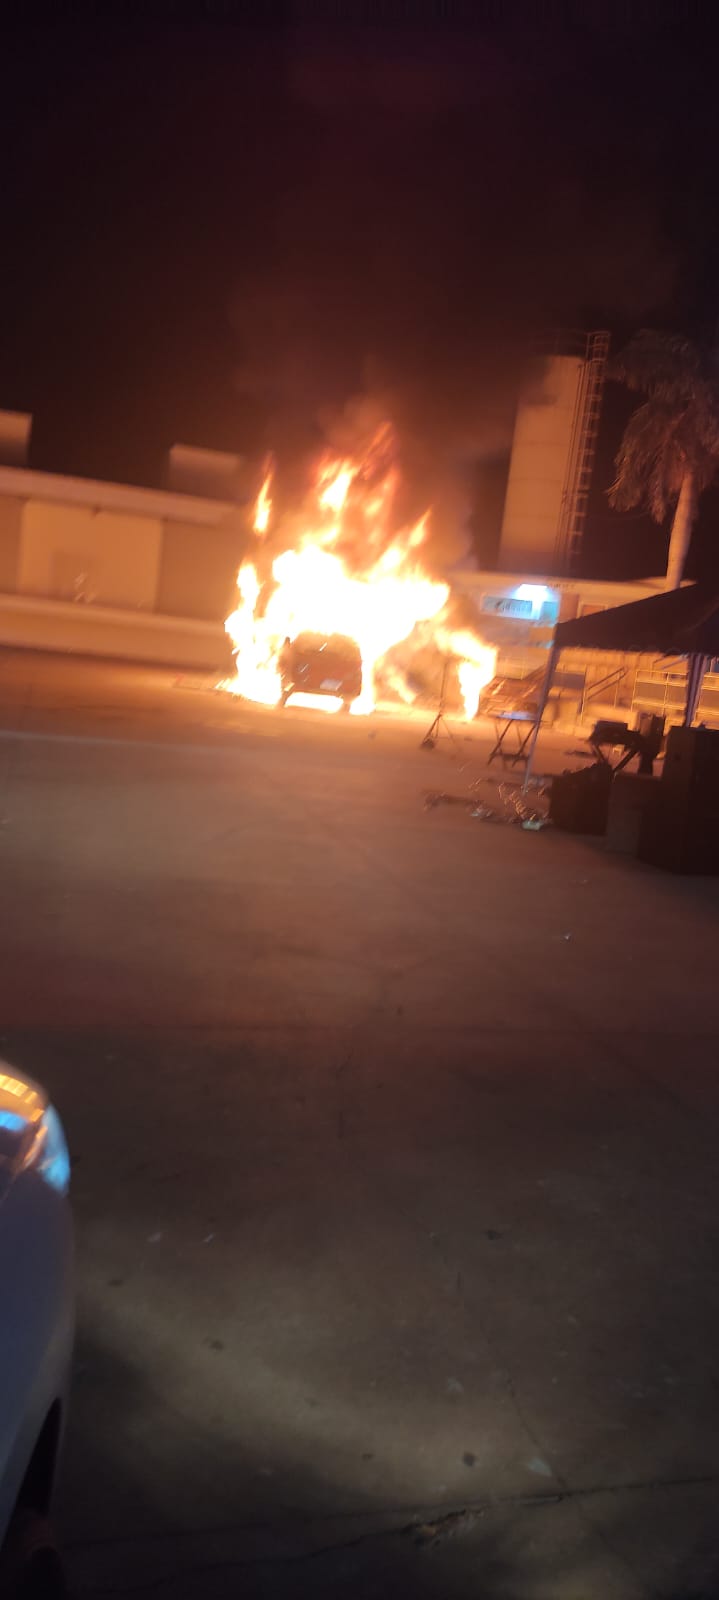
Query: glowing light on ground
x=316, y=702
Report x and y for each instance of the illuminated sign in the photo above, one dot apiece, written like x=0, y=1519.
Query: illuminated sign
x=503, y=605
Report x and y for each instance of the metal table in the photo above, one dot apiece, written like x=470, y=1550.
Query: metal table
x=628, y=747
x=524, y=723
x=631, y=744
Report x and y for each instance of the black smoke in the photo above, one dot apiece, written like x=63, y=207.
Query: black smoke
x=223, y=233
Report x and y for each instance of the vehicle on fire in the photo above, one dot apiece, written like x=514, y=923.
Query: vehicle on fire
x=315, y=663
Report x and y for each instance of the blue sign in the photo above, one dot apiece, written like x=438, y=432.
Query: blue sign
x=502, y=605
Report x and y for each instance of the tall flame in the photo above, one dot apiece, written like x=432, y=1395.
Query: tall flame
x=477, y=664
x=263, y=507
x=334, y=485
x=347, y=573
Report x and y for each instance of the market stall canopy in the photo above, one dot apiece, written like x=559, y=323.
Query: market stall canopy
x=677, y=622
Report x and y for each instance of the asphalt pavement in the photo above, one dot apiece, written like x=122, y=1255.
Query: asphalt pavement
x=394, y=1143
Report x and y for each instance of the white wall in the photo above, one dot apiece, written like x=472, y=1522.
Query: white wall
x=539, y=465
x=36, y=624
x=71, y=552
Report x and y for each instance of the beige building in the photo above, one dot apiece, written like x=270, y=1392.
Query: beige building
x=109, y=569
x=553, y=450
x=149, y=575
x=517, y=612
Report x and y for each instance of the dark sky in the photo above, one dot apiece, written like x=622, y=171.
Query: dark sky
x=221, y=231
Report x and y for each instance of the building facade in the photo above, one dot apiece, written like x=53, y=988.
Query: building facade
x=111, y=569
x=553, y=449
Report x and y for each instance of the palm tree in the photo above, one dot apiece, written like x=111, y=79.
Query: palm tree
x=670, y=450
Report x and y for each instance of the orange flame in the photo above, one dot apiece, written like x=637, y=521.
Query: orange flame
x=336, y=480
x=477, y=664
x=370, y=586
x=263, y=507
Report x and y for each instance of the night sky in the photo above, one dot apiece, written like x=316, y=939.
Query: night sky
x=229, y=233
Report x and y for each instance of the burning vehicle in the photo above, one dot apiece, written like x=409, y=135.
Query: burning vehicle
x=313, y=664
x=328, y=594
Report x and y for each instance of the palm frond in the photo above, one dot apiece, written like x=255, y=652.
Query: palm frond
x=641, y=461
x=657, y=363
x=676, y=428
x=706, y=419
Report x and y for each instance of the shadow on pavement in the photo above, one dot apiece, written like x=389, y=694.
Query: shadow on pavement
x=547, y=1547
x=268, y=1223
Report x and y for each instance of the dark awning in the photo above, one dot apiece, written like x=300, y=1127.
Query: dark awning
x=678, y=622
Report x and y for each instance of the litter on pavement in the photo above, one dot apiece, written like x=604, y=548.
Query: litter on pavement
x=507, y=802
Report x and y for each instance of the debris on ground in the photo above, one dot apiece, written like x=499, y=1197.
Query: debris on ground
x=493, y=801
x=436, y=797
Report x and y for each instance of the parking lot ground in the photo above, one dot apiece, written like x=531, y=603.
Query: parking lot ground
x=395, y=1158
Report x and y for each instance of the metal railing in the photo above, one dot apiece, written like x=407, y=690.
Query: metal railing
x=662, y=688
x=598, y=690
